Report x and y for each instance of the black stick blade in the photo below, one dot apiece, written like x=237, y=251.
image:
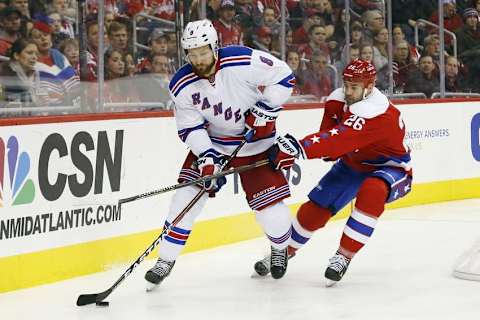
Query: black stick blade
x=85, y=299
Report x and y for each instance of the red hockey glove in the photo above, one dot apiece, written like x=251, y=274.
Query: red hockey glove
x=260, y=121
x=211, y=162
x=283, y=153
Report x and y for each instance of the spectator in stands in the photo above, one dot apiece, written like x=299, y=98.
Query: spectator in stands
x=373, y=22
x=454, y=80
x=269, y=20
x=403, y=65
x=300, y=35
x=229, y=33
x=130, y=66
x=262, y=40
x=380, y=50
x=432, y=47
x=59, y=34
x=109, y=18
x=366, y=52
x=399, y=37
x=153, y=87
x=56, y=73
x=114, y=64
x=451, y=19
x=317, y=36
x=3, y=4
x=70, y=50
x=211, y=8
x=118, y=37
x=158, y=44
x=22, y=6
x=20, y=79
x=424, y=79
x=244, y=12
x=293, y=61
x=116, y=88
x=319, y=79
x=468, y=39
x=325, y=11
x=476, y=5
x=343, y=61
x=10, y=26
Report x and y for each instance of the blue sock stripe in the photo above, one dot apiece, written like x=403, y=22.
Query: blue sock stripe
x=298, y=238
x=177, y=229
x=360, y=227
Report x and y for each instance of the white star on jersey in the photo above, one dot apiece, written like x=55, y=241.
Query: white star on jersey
x=333, y=132
x=315, y=139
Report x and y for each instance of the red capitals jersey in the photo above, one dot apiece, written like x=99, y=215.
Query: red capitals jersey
x=365, y=135
x=228, y=35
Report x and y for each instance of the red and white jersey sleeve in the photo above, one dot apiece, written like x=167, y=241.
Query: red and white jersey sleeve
x=365, y=135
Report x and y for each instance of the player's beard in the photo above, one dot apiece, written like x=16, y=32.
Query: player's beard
x=204, y=70
x=351, y=100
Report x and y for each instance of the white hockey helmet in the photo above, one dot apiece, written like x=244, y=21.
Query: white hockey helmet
x=198, y=34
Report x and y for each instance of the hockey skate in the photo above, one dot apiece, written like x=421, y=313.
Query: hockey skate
x=158, y=273
x=262, y=267
x=337, y=267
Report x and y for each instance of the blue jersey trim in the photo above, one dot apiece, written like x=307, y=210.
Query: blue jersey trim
x=183, y=134
x=288, y=81
x=232, y=51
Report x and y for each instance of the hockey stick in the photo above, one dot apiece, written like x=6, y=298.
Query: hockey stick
x=193, y=182
x=85, y=299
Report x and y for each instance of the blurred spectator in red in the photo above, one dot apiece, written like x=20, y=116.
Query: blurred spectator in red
x=454, y=80
x=424, y=79
x=245, y=11
x=110, y=6
x=317, y=41
x=118, y=36
x=20, y=79
x=158, y=44
x=325, y=10
x=164, y=9
x=70, y=50
x=153, y=87
x=300, y=35
x=229, y=33
x=10, y=25
x=451, y=19
x=272, y=4
x=293, y=61
x=319, y=79
x=399, y=37
x=373, y=21
x=56, y=73
x=269, y=20
x=262, y=40
x=130, y=66
x=403, y=64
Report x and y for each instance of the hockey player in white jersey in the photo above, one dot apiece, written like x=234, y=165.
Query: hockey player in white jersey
x=218, y=104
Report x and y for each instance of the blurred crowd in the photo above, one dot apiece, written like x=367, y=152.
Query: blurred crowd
x=40, y=60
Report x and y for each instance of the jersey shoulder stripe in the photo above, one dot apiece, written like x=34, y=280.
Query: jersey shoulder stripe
x=232, y=56
x=289, y=81
x=182, y=78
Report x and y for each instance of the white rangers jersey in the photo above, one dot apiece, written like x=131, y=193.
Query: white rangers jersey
x=211, y=114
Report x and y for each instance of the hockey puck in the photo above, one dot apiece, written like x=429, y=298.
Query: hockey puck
x=102, y=303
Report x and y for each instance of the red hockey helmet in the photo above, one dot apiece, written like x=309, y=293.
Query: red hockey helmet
x=360, y=71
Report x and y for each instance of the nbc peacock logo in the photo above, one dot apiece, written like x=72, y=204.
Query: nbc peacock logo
x=15, y=187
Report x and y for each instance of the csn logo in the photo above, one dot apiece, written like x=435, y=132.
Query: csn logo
x=476, y=136
x=15, y=187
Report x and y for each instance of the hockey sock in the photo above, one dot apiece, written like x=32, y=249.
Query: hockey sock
x=369, y=206
x=173, y=242
x=310, y=217
x=276, y=223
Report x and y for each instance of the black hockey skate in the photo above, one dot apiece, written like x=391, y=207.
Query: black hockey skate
x=158, y=273
x=262, y=267
x=278, y=262
x=337, y=267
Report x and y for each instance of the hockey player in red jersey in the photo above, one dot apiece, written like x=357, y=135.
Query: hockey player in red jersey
x=363, y=133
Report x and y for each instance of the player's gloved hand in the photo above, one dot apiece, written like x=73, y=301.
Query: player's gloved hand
x=211, y=162
x=284, y=151
x=260, y=121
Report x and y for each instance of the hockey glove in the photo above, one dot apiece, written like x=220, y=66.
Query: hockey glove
x=211, y=162
x=260, y=121
x=283, y=153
